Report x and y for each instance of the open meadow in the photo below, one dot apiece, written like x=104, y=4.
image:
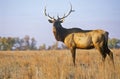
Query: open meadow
x=57, y=64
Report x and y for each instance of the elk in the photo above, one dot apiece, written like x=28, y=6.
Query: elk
x=76, y=38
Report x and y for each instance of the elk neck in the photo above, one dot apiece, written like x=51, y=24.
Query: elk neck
x=59, y=32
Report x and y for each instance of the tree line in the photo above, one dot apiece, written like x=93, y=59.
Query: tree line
x=27, y=43
x=16, y=43
x=114, y=43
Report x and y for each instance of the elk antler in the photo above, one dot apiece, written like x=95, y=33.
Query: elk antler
x=65, y=15
x=47, y=14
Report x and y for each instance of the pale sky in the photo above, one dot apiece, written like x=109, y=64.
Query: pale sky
x=25, y=17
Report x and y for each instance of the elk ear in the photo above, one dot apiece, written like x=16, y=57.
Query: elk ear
x=50, y=20
x=62, y=20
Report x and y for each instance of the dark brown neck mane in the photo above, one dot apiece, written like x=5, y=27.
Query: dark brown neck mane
x=60, y=33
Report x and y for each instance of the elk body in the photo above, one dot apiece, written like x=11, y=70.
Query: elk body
x=76, y=38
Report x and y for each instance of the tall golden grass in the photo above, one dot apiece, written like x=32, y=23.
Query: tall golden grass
x=57, y=64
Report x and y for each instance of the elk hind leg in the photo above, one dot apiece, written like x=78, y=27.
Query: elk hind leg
x=103, y=54
x=110, y=54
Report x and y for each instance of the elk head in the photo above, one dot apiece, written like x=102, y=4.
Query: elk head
x=58, y=20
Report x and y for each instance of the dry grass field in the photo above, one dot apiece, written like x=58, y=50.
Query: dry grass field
x=57, y=64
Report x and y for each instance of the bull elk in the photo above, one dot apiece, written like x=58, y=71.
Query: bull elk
x=76, y=38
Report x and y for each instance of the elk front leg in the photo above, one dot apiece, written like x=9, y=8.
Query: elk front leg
x=73, y=52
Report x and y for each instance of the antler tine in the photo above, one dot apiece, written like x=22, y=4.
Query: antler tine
x=50, y=16
x=58, y=17
x=68, y=12
x=47, y=14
